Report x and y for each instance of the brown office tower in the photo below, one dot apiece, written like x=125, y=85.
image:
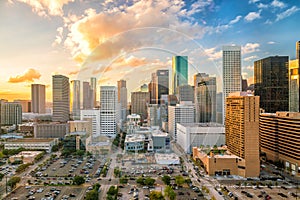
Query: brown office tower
x=242, y=131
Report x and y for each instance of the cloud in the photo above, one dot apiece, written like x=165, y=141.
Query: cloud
x=250, y=58
x=250, y=48
x=278, y=4
x=253, y=1
x=287, y=13
x=252, y=16
x=271, y=42
x=59, y=36
x=250, y=80
x=199, y=6
x=28, y=76
x=118, y=28
x=237, y=19
x=213, y=54
x=73, y=72
x=250, y=67
x=47, y=7
x=262, y=6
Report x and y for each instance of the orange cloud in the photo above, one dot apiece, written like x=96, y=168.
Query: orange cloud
x=131, y=61
x=121, y=28
x=28, y=76
x=122, y=62
x=103, y=80
x=250, y=80
x=73, y=72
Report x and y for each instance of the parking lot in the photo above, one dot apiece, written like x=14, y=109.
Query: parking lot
x=264, y=192
x=68, y=167
x=61, y=192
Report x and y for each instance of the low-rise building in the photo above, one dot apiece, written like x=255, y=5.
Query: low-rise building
x=134, y=142
x=26, y=128
x=191, y=135
x=51, y=130
x=32, y=143
x=25, y=156
x=160, y=141
x=220, y=162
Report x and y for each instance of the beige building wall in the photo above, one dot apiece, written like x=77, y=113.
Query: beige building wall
x=242, y=130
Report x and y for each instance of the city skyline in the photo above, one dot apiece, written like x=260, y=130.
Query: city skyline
x=60, y=39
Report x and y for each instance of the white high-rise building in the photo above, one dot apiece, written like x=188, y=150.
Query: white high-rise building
x=181, y=113
x=95, y=115
x=75, y=99
x=232, y=77
x=109, y=110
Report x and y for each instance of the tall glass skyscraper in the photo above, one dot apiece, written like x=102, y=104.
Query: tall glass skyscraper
x=232, y=77
x=271, y=83
x=75, y=99
x=179, y=71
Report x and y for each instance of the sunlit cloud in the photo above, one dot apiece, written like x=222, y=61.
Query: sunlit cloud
x=252, y=16
x=102, y=30
x=250, y=48
x=28, y=76
x=46, y=7
x=250, y=58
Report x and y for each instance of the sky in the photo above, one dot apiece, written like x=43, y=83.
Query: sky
x=118, y=39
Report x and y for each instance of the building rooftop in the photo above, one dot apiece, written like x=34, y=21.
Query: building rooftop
x=135, y=138
x=210, y=124
x=30, y=140
x=159, y=133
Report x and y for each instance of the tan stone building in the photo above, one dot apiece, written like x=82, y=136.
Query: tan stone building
x=221, y=163
x=242, y=131
x=280, y=139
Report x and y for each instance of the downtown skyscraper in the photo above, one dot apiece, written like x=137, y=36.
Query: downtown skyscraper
x=179, y=71
x=60, y=98
x=38, y=98
x=109, y=112
x=122, y=98
x=232, y=77
x=271, y=83
x=75, y=99
x=205, y=97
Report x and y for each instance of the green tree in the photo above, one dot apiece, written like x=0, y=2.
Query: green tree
x=96, y=186
x=170, y=193
x=166, y=179
x=1, y=176
x=92, y=195
x=55, y=148
x=80, y=153
x=140, y=180
x=149, y=181
x=156, y=195
x=78, y=180
x=12, y=182
x=22, y=167
x=123, y=180
x=188, y=180
x=179, y=180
